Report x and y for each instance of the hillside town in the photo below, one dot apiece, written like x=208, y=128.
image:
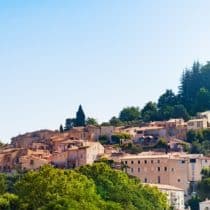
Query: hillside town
x=157, y=154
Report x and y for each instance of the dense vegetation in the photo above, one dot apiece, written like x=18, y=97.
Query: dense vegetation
x=204, y=184
x=194, y=90
x=193, y=97
x=88, y=188
x=200, y=140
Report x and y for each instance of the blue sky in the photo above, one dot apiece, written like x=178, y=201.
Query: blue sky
x=105, y=55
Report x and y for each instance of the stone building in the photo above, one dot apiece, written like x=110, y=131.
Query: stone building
x=175, y=169
x=76, y=153
x=196, y=124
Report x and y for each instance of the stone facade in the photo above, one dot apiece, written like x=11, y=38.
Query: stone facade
x=78, y=154
x=196, y=124
x=175, y=169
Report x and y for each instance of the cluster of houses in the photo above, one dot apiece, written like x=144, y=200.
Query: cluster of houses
x=65, y=150
x=174, y=173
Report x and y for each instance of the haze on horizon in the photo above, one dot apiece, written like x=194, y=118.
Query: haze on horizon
x=105, y=55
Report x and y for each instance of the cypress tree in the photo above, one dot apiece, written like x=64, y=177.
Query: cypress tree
x=80, y=117
x=61, y=129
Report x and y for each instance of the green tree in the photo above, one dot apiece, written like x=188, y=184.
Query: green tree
x=105, y=124
x=202, y=100
x=9, y=202
x=80, y=117
x=40, y=189
x=116, y=186
x=191, y=136
x=194, y=203
x=196, y=147
x=162, y=143
x=3, y=185
x=61, y=129
x=204, y=185
x=91, y=121
x=118, y=138
x=194, y=90
x=114, y=121
x=166, y=112
x=149, y=112
x=131, y=148
x=104, y=139
x=168, y=104
x=167, y=99
x=191, y=82
x=179, y=111
x=206, y=134
x=130, y=114
x=205, y=172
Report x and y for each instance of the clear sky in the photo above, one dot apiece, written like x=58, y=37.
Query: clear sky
x=103, y=54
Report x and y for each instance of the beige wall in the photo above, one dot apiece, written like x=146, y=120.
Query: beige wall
x=31, y=163
x=78, y=156
x=159, y=171
x=204, y=205
x=93, y=152
x=175, y=198
x=107, y=131
x=166, y=169
x=197, y=124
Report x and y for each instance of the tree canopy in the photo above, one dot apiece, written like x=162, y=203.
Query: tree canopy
x=195, y=87
x=91, y=121
x=204, y=184
x=91, y=187
x=130, y=114
x=117, y=187
x=149, y=112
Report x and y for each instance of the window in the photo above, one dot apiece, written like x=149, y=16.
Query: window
x=158, y=161
x=131, y=161
x=172, y=169
x=139, y=162
x=158, y=168
x=145, y=162
x=139, y=170
x=145, y=180
x=178, y=180
x=151, y=161
x=165, y=168
x=199, y=124
x=190, y=124
x=158, y=179
x=131, y=170
x=126, y=162
x=183, y=161
x=192, y=160
x=31, y=162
